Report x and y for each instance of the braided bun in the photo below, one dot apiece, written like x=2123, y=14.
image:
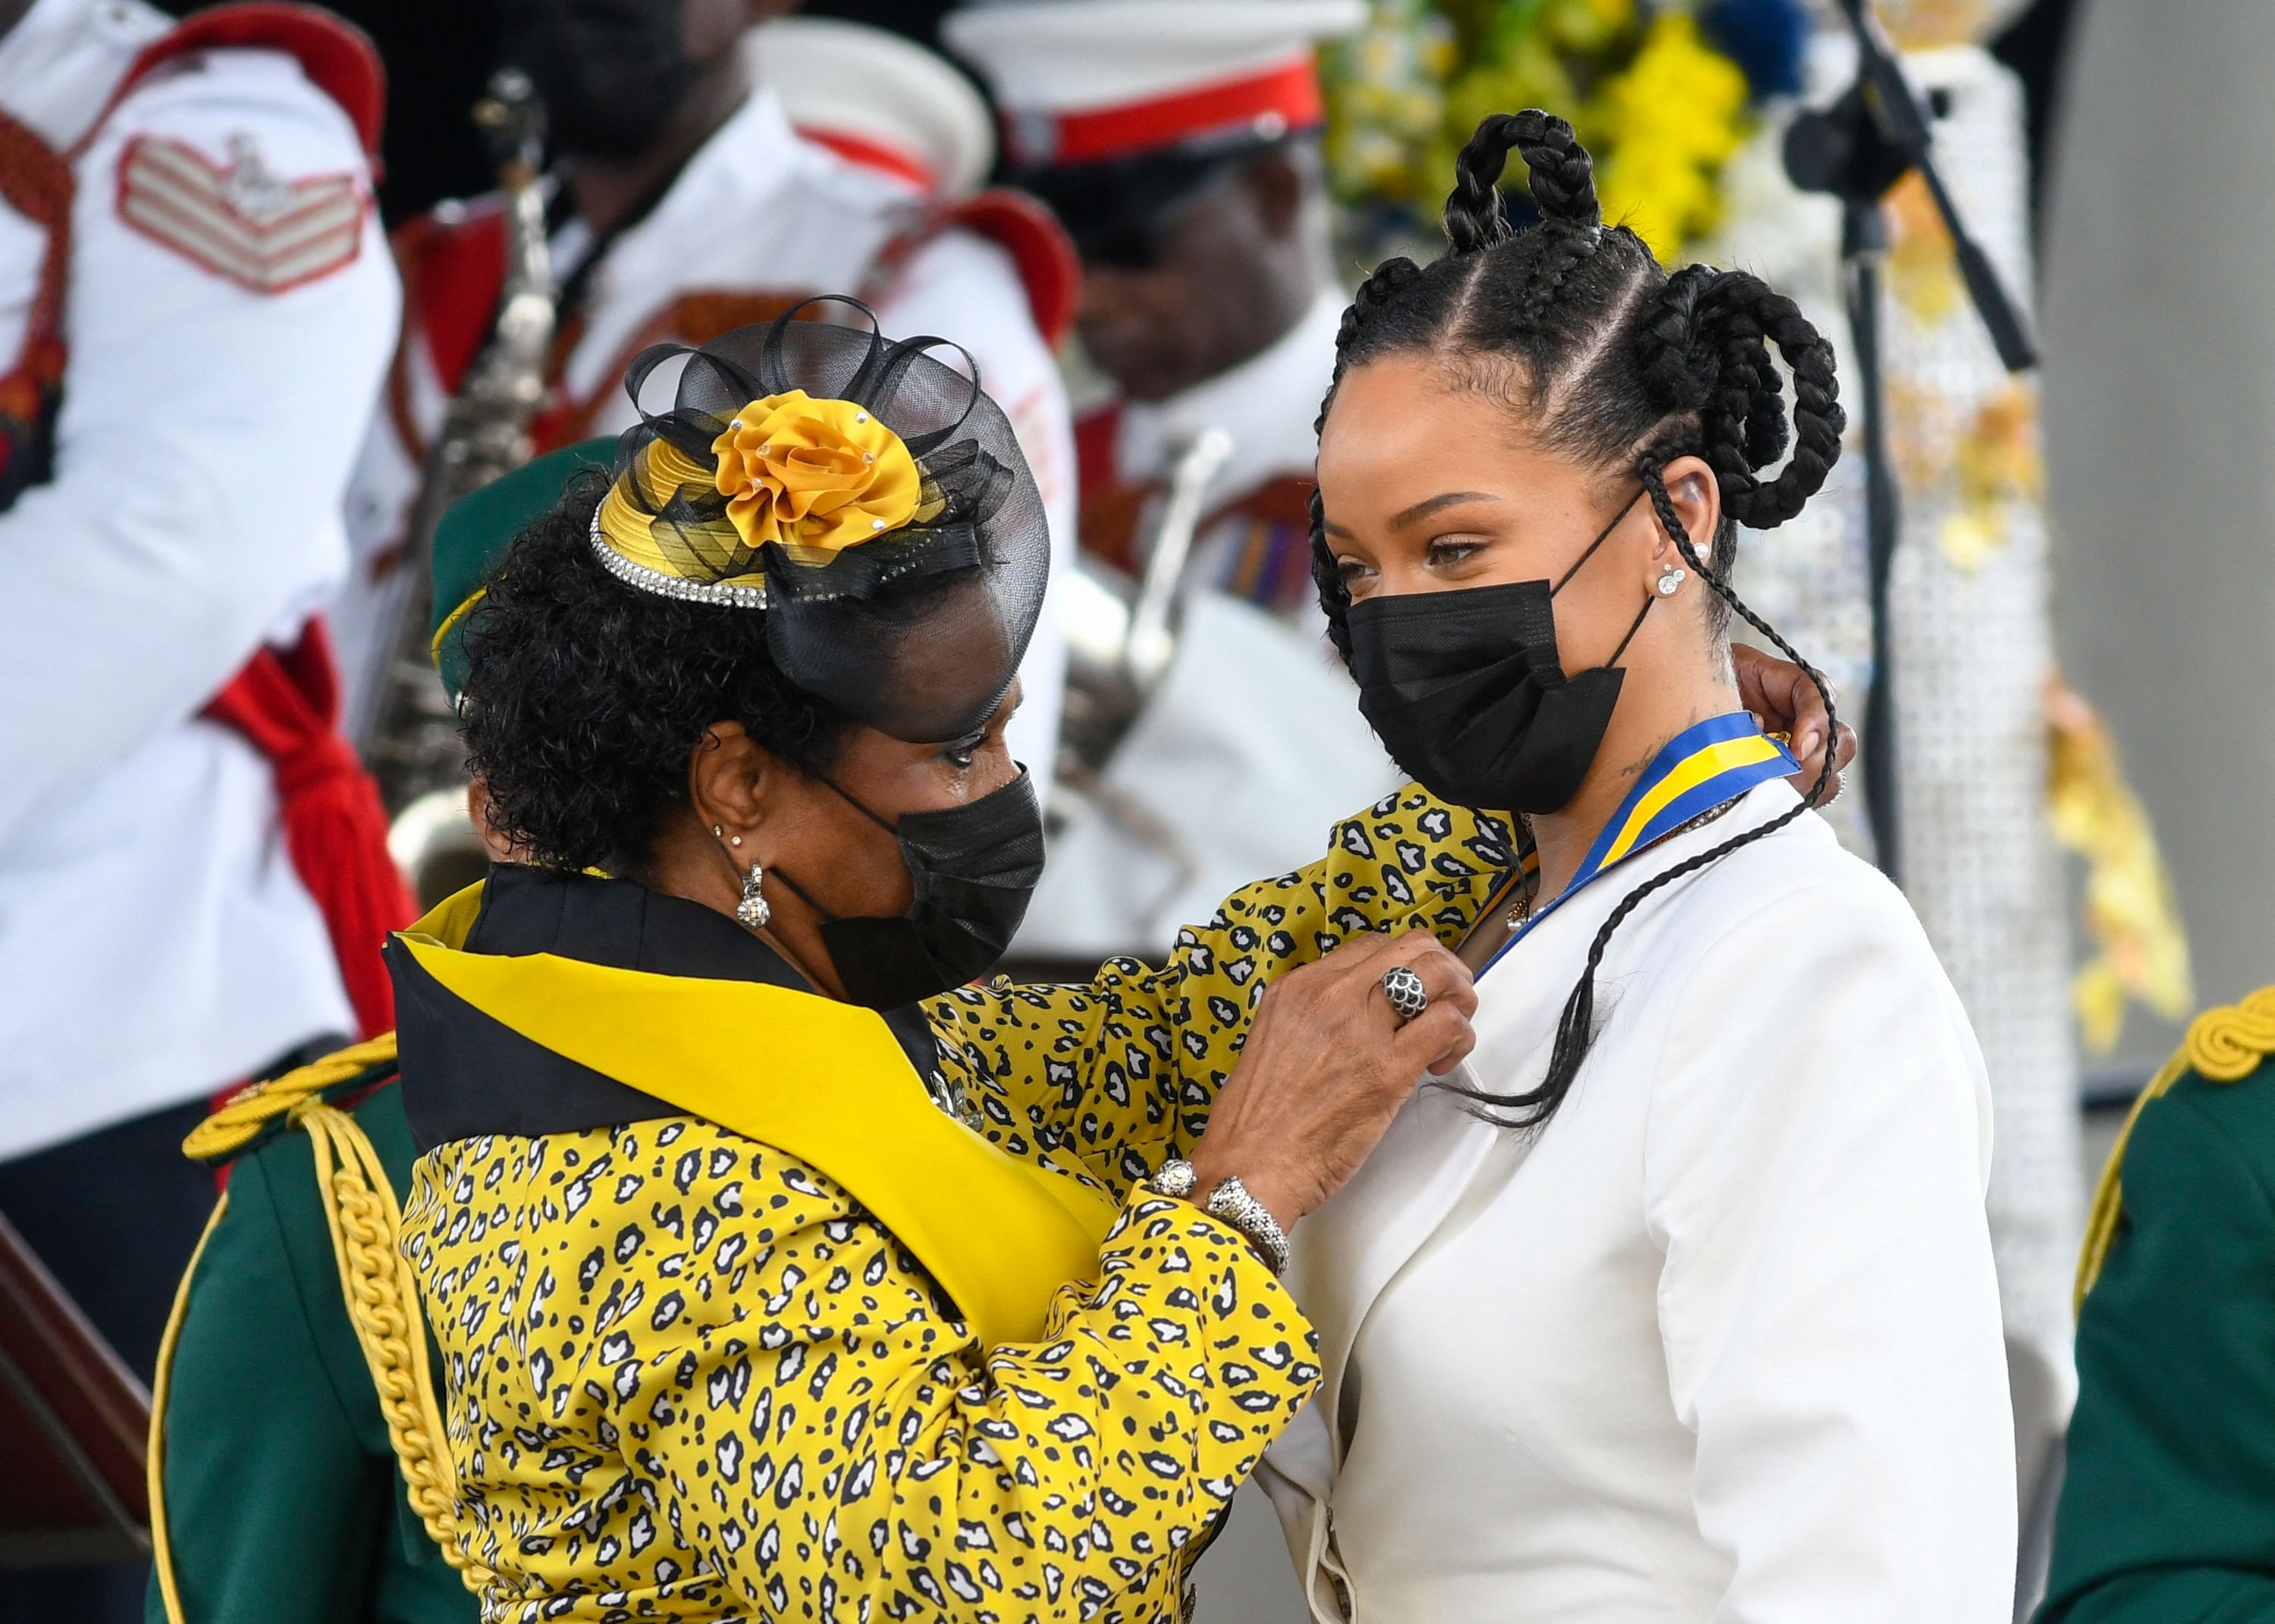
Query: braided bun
x=1558, y=173
x=1702, y=347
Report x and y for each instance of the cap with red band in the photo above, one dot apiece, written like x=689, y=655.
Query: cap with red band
x=1080, y=81
x=881, y=101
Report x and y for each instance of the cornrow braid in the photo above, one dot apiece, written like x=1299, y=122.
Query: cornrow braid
x=1387, y=281
x=1608, y=360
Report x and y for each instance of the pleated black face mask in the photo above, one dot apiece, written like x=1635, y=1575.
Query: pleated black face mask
x=1467, y=691
x=974, y=867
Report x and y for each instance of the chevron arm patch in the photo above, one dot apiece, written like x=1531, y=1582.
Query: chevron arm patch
x=237, y=220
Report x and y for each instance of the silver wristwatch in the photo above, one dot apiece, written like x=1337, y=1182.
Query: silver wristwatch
x=1174, y=1177
x=1230, y=1203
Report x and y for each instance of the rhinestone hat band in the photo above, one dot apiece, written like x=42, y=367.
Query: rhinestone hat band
x=671, y=586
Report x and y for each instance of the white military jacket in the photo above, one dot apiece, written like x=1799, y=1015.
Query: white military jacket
x=759, y=219
x=228, y=305
x=1256, y=542
x=1723, y=1342
x=1253, y=740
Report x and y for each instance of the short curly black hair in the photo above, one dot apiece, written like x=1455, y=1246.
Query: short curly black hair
x=585, y=698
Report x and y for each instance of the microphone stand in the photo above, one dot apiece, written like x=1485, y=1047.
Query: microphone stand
x=1857, y=150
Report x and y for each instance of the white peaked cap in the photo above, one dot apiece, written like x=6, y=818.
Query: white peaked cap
x=1078, y=80
x=878, y=99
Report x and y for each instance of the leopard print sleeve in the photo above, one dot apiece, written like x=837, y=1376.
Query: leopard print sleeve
x=1110, y=1079
x=713, y=1387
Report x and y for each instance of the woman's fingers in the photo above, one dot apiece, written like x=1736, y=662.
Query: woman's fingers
x=1784, y=698
x=1444, y=977
x=1327, y=1064
x=1436, y=1041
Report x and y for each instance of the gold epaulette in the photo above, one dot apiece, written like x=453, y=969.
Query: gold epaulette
x=2226, y=1045
x=248, y=1113
x=365, y=1220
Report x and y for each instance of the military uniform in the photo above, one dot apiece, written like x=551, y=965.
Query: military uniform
x=1255, y=540
x=278, y=1494
x=1099, y=91
x=196, y=306
x=761, y=217
x=199, y=305
x=2167, y=1509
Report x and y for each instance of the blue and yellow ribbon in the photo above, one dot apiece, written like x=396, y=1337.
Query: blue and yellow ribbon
x=1699, y=769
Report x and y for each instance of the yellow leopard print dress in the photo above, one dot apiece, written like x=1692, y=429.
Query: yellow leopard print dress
x=691, y=1378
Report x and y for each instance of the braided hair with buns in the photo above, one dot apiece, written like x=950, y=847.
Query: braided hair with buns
x=1608, y=360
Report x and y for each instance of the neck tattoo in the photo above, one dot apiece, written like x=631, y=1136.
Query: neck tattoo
x=1528, y=895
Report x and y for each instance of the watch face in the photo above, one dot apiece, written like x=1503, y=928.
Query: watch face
x=1175, y=1178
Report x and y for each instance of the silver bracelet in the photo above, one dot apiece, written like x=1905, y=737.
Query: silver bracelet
x=1231, y=1204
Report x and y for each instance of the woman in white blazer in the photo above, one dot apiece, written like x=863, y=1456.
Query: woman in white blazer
x=1674, y=1302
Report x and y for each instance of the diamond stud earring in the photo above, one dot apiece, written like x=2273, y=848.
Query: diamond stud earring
x=1670, y=581
x=752, y=911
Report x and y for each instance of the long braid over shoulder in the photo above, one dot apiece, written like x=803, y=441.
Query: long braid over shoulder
x=1601, y=357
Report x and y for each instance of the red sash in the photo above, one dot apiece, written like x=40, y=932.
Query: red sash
x=285, y=704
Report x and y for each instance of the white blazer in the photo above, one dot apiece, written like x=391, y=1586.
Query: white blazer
x=1722, y=1342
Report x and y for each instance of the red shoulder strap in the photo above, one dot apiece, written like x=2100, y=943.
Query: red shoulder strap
x=452, y=263
x=337, y=57
x=453, y=269
x=1039, y=248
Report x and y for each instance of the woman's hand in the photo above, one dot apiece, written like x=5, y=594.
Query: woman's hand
x=1783, y=700
x=1327, y=1065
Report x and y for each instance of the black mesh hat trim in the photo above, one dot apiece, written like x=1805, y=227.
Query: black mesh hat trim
x=919, y=631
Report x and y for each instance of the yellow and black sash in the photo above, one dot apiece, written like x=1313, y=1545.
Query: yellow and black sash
x=511, y=1040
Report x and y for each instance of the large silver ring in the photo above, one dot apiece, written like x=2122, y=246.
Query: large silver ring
x=1404, y=990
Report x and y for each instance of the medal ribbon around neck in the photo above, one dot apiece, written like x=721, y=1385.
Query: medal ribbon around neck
x=1700, y=770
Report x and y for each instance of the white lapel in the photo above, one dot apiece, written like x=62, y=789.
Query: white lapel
x=1350, y=1248
x=1347, y=1252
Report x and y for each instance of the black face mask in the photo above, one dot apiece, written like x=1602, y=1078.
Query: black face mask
x=1467, y=691
x=611, y=73
x=974, y=867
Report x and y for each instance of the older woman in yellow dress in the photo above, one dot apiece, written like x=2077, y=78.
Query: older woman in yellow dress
x=775, y=1271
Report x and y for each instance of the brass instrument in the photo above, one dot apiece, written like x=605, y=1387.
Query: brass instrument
x=412, y=745
x=1120, y=635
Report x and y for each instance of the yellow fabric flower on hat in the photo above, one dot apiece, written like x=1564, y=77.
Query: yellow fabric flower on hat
x=816, y=476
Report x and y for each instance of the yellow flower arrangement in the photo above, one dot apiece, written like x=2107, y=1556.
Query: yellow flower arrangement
x=1666, y=126
x=814, y=476
x=1660, y=108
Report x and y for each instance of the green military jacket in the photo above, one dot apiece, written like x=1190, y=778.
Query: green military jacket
x=2167, y=1512
x=276, y=1495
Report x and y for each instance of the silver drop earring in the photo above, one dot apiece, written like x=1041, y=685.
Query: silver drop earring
x=752, y=911
x=1671, y=579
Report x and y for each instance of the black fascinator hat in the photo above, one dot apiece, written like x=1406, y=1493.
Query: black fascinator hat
x=861, y=494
